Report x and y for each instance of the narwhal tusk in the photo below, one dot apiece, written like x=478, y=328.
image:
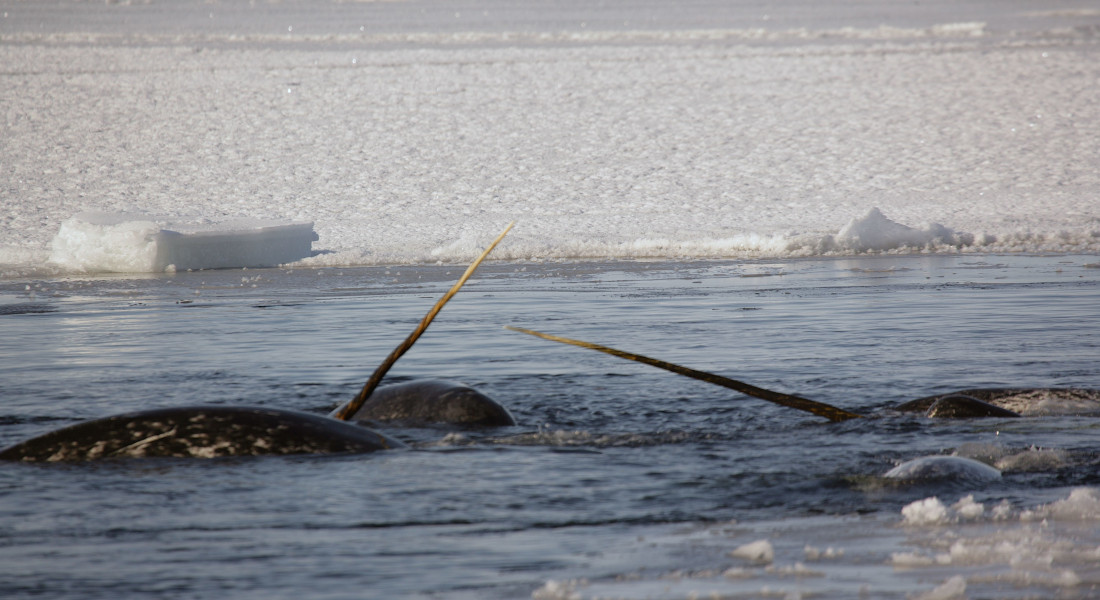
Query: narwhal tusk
x=353, y=407
x=818, y=408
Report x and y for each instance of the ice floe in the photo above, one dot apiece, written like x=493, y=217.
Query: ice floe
x=139, y=243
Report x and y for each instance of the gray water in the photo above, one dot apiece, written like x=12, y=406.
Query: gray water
x=620, y=480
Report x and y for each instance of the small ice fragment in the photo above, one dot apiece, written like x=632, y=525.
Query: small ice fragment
x=559, y=590
x=796, y=570
x=910, y=559
x=967, y=508
x=1002, y=510
x=758, y=551
x=813, y=553
x=929, y=511
x=738, y=573
x=1083, y=504
x=1067, y=578
x=953, y=588
x=874, y=231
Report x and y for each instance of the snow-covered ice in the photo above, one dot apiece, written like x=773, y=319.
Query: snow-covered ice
x=94, y=241
x=684, y=137
x=138, y=243
x=759, y=551
x=874, y=231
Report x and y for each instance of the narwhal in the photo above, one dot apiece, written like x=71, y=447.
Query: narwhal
x=221, y=430
x=972, y=403
x=431, y=402
x=991, y=402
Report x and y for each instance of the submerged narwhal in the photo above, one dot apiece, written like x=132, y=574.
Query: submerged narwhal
x=200, y=432
x=991, y=402
x=971, y=403
x=428, y=402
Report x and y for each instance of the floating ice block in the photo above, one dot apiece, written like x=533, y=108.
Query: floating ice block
x=138, y=243
x=875, y=232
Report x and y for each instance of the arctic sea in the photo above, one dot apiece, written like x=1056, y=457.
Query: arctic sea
x=620, y=481
x=858, y=203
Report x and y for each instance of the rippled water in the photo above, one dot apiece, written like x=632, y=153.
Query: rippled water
x=620, y=481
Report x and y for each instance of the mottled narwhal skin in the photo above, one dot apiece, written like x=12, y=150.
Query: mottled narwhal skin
x=961, y=406
x=433, y=402
x=999, y=402
x=201, y=432
x=217, y=431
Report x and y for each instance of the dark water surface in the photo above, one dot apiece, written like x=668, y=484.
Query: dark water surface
x=620, y=481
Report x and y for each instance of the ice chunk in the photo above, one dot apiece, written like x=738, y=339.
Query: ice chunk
x=758, y=551
x=139, y=243
x=813, y=553
x=913, y=559
x=875, y=232
x=954, y=587
x=1083, y=504
x=925, y=512
x=559, y=590
x=967, y=508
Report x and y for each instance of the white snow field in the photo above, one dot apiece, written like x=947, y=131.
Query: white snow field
x=620, y=131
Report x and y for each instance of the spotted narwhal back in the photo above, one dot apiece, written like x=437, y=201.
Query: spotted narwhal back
x=200, y=431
